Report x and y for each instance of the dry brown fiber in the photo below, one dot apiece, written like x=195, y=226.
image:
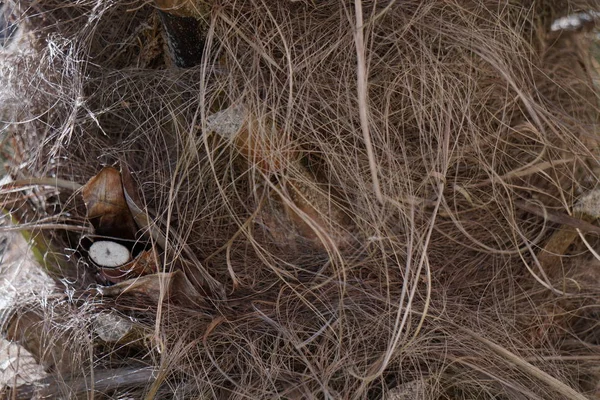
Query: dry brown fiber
x=434, y=264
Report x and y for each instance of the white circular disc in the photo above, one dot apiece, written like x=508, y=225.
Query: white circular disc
x=106, y=253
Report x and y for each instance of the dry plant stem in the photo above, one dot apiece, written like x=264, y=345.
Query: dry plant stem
x=582, y=223
x=526, y=170
x=361, y=82
x=157, y=288
x=36, y=226
x=103, y=381
x=54, y=182
x=534, y=371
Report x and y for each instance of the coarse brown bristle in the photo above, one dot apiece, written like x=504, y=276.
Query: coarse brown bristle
x=396, y=229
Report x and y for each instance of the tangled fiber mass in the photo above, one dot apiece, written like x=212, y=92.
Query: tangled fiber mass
x=405, y=209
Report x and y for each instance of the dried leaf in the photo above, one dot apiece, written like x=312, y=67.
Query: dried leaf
x=145, y=263
x=110, y=327
x=310, y=211
x=148, y=288
x=129, y=185
x=106, y=206
x=17, y=365
x=406, y=391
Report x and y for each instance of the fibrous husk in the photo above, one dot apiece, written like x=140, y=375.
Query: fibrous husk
x=405, y=211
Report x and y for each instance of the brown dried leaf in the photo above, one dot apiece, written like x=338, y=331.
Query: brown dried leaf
x=148, y=288
x=145, y=263
x=107, y=209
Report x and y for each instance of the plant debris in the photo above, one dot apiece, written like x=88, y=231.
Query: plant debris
x=318, y=200
x=106, y=205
